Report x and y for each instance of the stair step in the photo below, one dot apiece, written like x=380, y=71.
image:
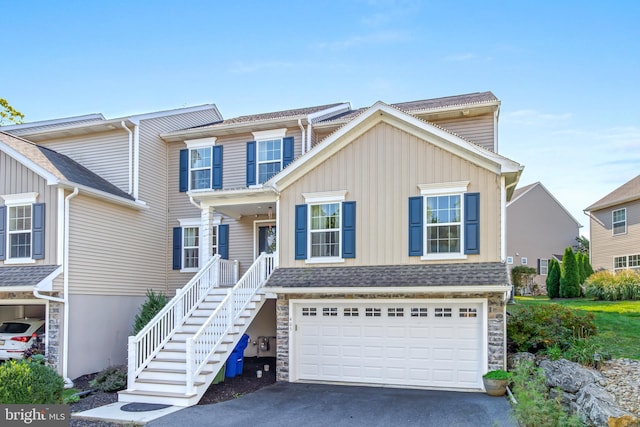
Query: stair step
x=167, y=382
x=173, y=371
x=155, y=393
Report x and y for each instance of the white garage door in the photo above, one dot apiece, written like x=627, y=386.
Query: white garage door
x=423, y=344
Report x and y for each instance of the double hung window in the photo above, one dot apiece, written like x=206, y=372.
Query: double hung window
x=325, y=230
x=619, y=221
x=443, y=224
x=269, y=159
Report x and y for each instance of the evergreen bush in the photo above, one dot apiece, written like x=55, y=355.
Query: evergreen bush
x=152, y=306
x=580, y=264
x=25, y=382
x=588, y=270
x=553, y=279
x=570, y=280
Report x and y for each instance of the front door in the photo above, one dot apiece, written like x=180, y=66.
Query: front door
x=266, y=239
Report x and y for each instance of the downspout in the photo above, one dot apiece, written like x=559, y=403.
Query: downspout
x=65, y=299
x=136, y=161
x=309, y=134
x=496, y=116
x=303, y=135
x=130, y=156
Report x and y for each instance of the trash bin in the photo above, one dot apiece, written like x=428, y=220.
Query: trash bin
x=235, y=362
x=220, y=377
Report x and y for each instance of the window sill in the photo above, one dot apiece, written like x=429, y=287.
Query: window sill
x=433, y=257
x=189, y=270
x=323, y=260
x=19, y=261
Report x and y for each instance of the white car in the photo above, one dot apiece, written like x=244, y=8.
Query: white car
x=18, y=335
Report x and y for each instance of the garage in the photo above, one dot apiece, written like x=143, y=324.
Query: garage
x=417, y=343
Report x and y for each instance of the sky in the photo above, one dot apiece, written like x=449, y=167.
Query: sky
x=567, y=72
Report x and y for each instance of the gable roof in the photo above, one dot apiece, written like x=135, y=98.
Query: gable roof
x=24, y=128
x=30, y=275
x=57, y=168
x=429, y=105
x=523, y=191
x=407, y=122
x=627, y=192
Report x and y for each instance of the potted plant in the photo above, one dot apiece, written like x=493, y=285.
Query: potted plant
x=495, y=382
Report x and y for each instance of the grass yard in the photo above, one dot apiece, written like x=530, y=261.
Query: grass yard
x=618, y=322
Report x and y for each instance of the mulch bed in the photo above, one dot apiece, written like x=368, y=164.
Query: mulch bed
x=230, y=388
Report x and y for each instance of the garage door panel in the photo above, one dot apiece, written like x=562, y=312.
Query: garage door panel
x=390, y=343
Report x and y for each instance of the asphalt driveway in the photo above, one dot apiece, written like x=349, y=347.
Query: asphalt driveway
x=291, y=404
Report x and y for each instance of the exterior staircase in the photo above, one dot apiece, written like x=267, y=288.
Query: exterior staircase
x=174, y=359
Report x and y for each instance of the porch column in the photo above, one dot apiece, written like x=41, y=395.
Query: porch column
x=205, y=233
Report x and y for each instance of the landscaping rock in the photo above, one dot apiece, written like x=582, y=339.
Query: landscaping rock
x=597, y=407
x=569, y=376
x=513, y=360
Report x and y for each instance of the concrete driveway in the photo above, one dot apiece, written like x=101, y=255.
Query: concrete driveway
x=291, y=404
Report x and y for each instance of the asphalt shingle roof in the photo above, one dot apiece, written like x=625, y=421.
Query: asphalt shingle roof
x=626, y=192
x=61, y=166
x=24, y=275
x=459, y=274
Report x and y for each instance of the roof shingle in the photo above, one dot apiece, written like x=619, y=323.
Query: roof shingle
x=625, y=193
x=467, y=274
x=25, y=275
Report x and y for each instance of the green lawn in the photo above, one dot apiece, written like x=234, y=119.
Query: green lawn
x=618, y=322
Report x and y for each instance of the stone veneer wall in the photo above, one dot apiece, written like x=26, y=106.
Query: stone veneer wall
x=496, y=307
x=54, y=328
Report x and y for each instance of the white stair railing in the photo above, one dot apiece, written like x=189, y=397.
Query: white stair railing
x=143, y=347
x=204, y=343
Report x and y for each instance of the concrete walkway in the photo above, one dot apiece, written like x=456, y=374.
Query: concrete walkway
x=309, y=405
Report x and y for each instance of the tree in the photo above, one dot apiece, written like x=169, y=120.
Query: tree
x=586, y=265
x=8, y=114
x=582, y=245
x=580, y=264
x=570, y=280
x=553, y=279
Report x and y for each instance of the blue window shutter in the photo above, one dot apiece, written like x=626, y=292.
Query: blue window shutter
x=348, y=229
x=301, y=231
x=184, y=170
x=472, y=223
x=3, y=232
x=251, y=163
x=216, y=173
x=287, y=151
x=223, y=241
x=416, y=225
x=37, y=231
x=177, y=248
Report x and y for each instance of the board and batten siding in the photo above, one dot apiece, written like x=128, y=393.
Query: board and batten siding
x=477, y=129
x=105, y=154
x=15, y=178
x=604, y=245
x=380, y=170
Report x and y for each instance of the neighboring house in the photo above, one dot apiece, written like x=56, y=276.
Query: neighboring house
x=538, y=226
x=371, y=246
x=615, y=228
x=82, y=228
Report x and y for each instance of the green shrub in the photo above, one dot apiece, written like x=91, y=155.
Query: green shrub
x=570, y=279
x=582, y=275
x=111, y=379
x=608, y=286
x=536, y=327
x=25, y=382
x=520, y=276
x=152, y=306
x=553, y=279
x=498, y=374
x=534, y=407
x=588, y=270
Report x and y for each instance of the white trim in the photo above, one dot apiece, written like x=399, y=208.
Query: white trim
x=325, y=196
x=425, y=238
x=444, y=256
x=19, y=199
x=509, y=260
x=265, y=135
x=503, y=220
x=60, y=228
x=325, y=260
x=200, y=142
x=613, y=211
x=216, y=219
x=391, y=289
x=340, y=108
x=27, y=162
x=19, y=260
x=190, y=222
x=443, y=187
x=524, y=260
x=96, y=117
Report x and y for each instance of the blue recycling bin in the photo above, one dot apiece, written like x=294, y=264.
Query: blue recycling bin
x=235, y=362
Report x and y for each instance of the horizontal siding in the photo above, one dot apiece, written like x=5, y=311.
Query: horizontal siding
x=604, y=245
x=477, y=129
x=111, y=252
x=380, y=170
x=16, y=178
x=106, y=154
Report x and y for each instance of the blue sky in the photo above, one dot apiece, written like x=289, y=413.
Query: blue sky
x=567, y=72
